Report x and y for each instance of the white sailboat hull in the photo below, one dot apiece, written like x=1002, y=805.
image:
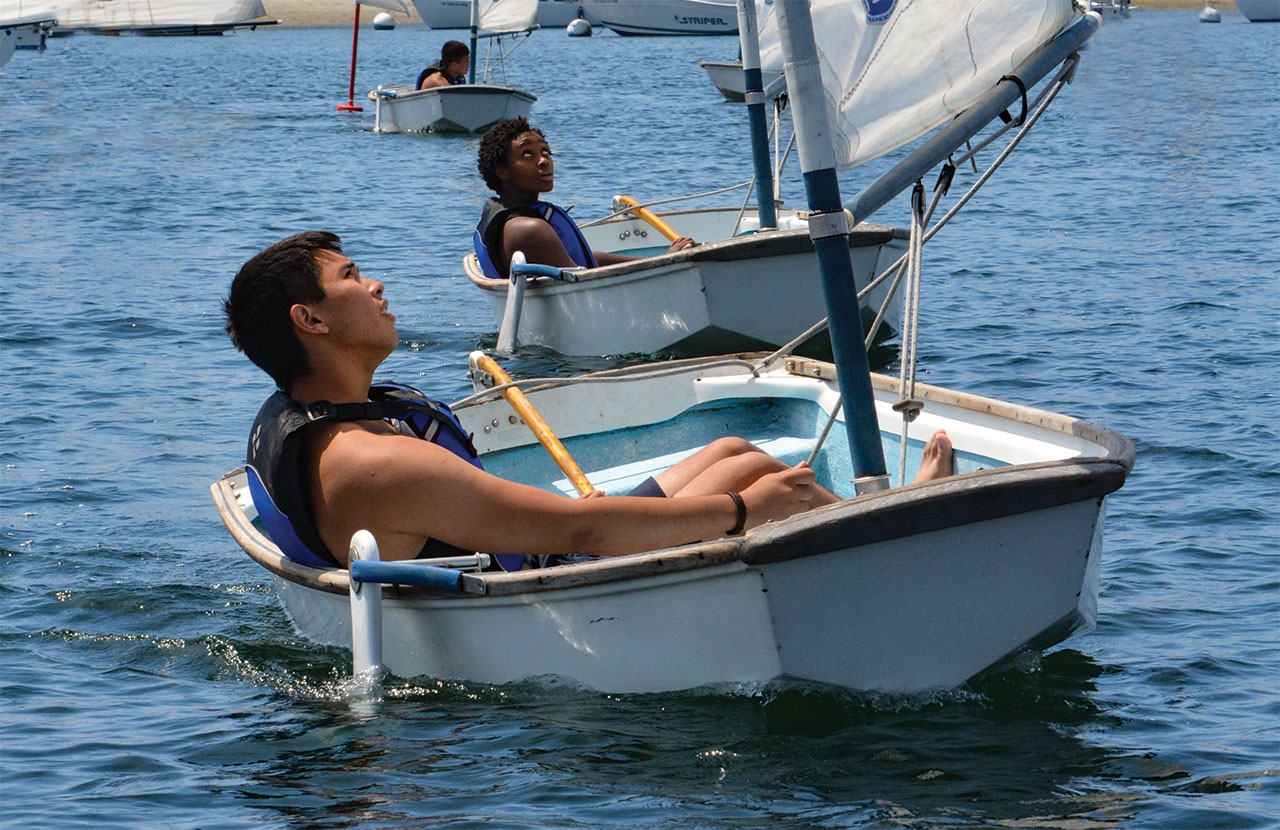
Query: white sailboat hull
x=909, y=589
x=464, y=108
x=663, y=17
x=728, y=78
x=738, y=293
x=1259, y=11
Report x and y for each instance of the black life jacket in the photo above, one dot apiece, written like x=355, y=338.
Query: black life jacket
x=488, y=236
x=434, y=69
x=273, y=455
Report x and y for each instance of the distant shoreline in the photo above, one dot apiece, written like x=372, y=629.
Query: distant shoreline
x=341, y=12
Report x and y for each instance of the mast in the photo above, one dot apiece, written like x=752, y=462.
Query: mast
x=749, y=43
x=475, y=33
x=829, y=229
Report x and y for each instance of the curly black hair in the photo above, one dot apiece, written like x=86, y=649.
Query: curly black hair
x=494, y=146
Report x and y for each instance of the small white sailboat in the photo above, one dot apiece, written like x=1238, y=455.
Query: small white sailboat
x=904, y=590
x=727, y=78
x=895, y=588
x=728, y=75
x=1259, y=11
x=663, y=17
x=160, y=17
x=470, y=107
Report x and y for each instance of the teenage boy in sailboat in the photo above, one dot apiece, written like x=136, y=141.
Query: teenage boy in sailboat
x=303, y=313
x=455, y=60
x=515, y=161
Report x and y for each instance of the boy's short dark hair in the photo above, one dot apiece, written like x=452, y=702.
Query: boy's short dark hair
x=494, y=146
x=453, y=50
x=263, y=292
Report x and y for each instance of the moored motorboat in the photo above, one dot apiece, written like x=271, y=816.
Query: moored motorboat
x=21, y=29
x=160, y=17
x=1259, y=11
x=663, y=17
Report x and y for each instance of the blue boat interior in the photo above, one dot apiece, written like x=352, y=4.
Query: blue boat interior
x=786, y=428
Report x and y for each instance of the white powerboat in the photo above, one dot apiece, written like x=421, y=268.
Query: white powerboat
x=1259, y=11
x=23, y=28
x=663, y=17
x=160, y=17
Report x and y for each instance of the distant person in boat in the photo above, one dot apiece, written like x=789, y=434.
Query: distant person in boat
x=515, y=161
x=451, y=69
x=335, y=463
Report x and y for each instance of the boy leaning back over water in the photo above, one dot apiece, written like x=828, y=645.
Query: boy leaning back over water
x=303, y=313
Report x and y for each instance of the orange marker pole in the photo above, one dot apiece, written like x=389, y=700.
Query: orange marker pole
x=350, y=106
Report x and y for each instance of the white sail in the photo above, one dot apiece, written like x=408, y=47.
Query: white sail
x=146, y=14
x=498, y=17
x=767, y=35
x=893, y=70
x=389, y=5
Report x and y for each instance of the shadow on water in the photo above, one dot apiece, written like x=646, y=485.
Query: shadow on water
x=1009, y=750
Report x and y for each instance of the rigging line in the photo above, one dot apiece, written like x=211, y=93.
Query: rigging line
x=630, y=208
x=907, y=404
x=1004, y=154
x=1005, y=127
x=751, y=186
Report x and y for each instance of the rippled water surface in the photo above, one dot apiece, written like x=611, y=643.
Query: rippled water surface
x=1124, y=268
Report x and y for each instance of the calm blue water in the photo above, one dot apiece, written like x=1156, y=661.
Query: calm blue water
x=1124, y=268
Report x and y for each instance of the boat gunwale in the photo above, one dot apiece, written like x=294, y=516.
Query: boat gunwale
x=749, y=246
x=868, y=519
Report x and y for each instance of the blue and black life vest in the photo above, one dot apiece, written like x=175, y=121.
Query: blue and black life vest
x=273, y=457
x=488, y=235
x=434, y=69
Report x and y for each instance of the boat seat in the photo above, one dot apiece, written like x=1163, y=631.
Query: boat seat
x=625, y=477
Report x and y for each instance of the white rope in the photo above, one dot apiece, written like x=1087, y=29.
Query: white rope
x=907, y=403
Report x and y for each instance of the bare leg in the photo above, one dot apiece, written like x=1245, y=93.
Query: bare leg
x=938, y=460
x=734, y=465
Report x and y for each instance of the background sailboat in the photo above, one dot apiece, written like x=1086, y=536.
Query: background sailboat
x=470, y=107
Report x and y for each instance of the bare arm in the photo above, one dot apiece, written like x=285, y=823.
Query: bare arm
x=539, y=243
x=405, y=491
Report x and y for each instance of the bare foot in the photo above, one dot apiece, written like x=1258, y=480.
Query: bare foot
x=938, y=460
